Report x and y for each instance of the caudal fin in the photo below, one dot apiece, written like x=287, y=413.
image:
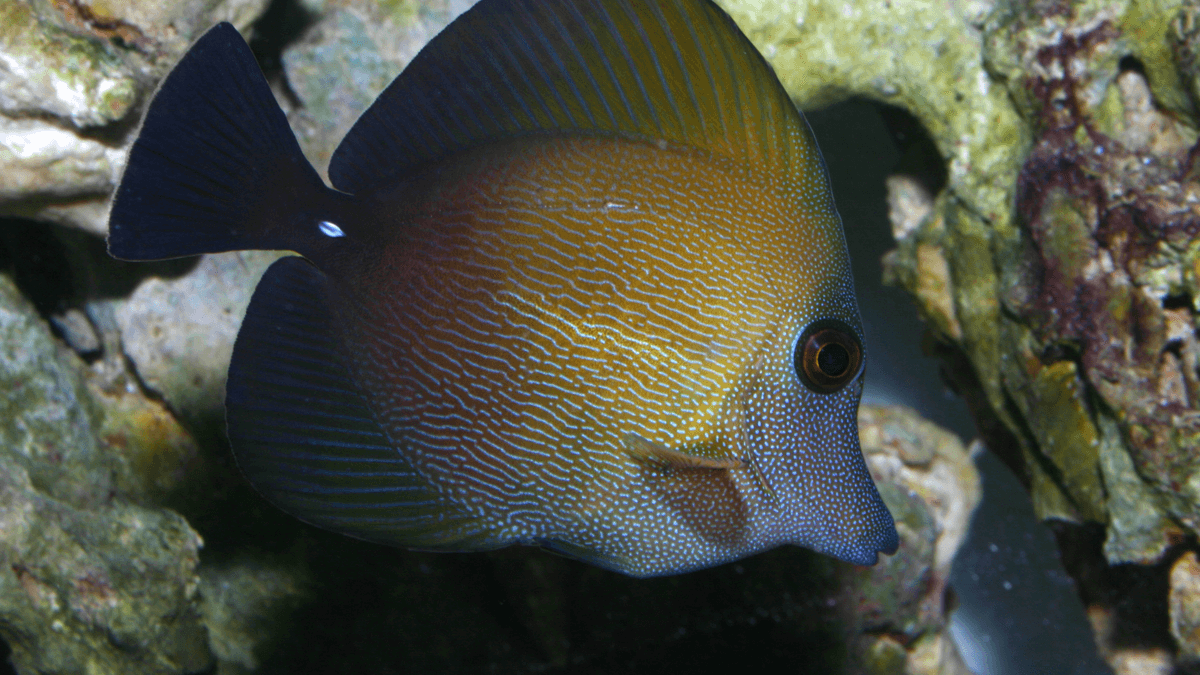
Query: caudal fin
x=215, y=166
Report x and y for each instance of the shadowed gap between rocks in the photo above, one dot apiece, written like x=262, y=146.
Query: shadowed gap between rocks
x=59, y=267
x=284, y=22
x=5, y=652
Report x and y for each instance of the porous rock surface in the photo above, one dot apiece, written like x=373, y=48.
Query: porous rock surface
x=128, y=407
x=92, y=576
x=1055, y=259
x=73, y=76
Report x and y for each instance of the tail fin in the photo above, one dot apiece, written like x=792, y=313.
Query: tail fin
x=213, y=163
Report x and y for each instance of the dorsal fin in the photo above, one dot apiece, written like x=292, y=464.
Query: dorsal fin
x=677, y=70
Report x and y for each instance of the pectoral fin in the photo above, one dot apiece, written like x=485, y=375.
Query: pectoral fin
x=655, y=453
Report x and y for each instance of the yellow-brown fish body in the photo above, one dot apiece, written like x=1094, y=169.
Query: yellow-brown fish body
x=580, y=291
x=585, y=338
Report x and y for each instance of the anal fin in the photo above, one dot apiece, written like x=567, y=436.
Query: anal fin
x=305, y=437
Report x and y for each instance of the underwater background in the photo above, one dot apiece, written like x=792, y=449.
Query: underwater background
x=1027, y=169
x=1016, y=609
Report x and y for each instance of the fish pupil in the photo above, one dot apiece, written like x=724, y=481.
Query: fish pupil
x=833, y=359
x=828, y=356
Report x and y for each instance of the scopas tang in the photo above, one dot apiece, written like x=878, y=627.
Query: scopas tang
x=579, y=283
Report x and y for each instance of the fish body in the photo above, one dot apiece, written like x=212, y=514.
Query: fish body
x=555, y=315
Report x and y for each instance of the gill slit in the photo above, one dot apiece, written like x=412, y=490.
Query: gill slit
x=749, y=457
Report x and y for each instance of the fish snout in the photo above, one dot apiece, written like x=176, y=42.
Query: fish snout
x=826, y=493
x=853, y=523
x=862, y=545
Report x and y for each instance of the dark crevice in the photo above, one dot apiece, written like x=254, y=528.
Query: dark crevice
x=502, y=607
x=1175, y=348
x=1134, y=596
x=1065, y=350
x=1091, y=401
x=960, y=377
x=60, y=267
x=1130, y=63
x=284, y=22
x=100, y=276
x=1180, y=301
x=764, y=647
x=111, y=134
x=6, y=666
x=38, y=264
x=919, y=155
x=115, y=133
x=478, y=611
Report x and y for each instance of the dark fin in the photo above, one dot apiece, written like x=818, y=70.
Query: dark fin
x=648, y=451
x=304, y=436
x=677, y=70
x=214, y=158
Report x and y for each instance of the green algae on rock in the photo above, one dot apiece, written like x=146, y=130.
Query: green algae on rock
x=1097, y=285
x=108, y=590
x=96, y=577
x=50, y=70
x=81, y=437
x=47, y=426
x=924, y=57
x=1087, y=291
x=74, y=75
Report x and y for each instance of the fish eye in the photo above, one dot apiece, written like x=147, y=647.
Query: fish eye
x=828, y=356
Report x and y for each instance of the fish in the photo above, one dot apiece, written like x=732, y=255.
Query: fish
x=576, y=281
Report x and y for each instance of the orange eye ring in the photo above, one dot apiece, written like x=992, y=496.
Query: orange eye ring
x=828, y=356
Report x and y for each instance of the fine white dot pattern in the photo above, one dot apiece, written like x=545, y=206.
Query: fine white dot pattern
x=542, y=300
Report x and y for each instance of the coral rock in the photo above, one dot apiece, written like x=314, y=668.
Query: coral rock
x=110, y=590
x=73, y=75
x=1185, y=606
